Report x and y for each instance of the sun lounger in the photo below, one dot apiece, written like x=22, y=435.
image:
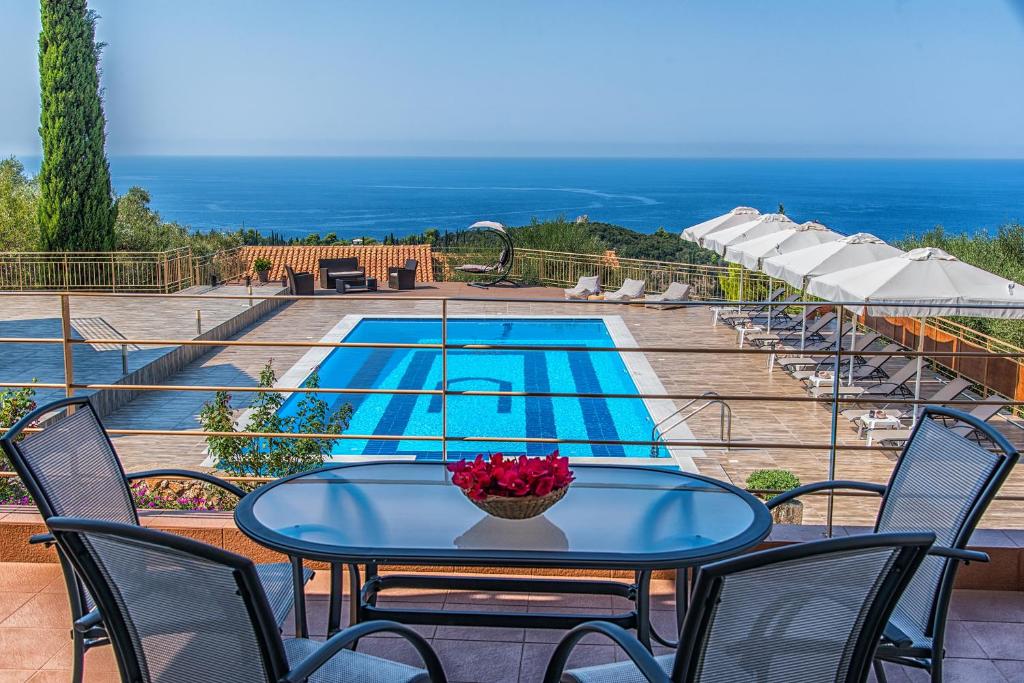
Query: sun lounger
x=872, y=369
x=587, y=286
x=792, y=364
x=743, y=312
x=812, y=333
x=819, y=343
x=676, y=293
x=896, y=437
x=895, y=386
x=630, y=289
x=947, y=392
x=777, y=311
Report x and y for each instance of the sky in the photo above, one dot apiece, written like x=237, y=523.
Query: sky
x=793, y=78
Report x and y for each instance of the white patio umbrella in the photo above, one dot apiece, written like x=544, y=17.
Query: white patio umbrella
x=741, y=214
x=797, y=267
x=921, y=276
x=752, y=253
x=762, y=225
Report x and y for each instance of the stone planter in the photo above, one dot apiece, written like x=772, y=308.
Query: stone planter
x=790, y=512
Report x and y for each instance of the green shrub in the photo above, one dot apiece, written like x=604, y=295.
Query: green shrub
x=772, y=480
x=273, y=456
x=14, y=405
x=262, y=264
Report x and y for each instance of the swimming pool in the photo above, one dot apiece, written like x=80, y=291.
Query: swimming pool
x=511, y=370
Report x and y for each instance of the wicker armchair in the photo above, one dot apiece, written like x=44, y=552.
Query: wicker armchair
x=400, y=277
x=299, y=284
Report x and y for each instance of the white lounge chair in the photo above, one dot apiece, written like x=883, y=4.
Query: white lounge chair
x=676, y=293
x=587, y=286
x=630, y=289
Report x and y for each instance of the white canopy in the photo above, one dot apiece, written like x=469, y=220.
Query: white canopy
x=762, y=225
x=741, y=214
x=751, y=254
x=489, y=225
x=857, y=249
x=927, y=275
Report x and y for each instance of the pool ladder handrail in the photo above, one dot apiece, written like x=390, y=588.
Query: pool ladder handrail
x=724, y=419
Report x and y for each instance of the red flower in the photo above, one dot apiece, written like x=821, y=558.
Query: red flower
x=501, y=476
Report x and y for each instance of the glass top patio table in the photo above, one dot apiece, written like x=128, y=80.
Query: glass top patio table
x=613, y=516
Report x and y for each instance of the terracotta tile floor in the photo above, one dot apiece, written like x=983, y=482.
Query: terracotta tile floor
x=985, y=633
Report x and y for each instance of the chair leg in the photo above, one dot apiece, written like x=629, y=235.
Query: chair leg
x=879, y=671
x=936, y=669
x=77, y=656
x=301, y=625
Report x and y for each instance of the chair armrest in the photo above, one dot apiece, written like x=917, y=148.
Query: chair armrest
x=187, y=474
x=639, y=655
x=824, y=486
x=46, y=539
x=960, y=554
x=89, y=621
x=323, y=278
x=336, y=643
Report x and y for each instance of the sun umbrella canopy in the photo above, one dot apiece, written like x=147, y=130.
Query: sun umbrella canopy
x=741, y=214
x=795, y=266
x=924, y=276
x=762, y=225
x=750, y=254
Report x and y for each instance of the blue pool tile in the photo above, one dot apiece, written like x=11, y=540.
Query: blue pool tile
x=596, y=417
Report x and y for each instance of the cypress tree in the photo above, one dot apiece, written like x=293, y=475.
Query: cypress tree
x=76, y=203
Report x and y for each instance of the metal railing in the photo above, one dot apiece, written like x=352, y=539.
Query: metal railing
x=837, y=353
x=724, y=419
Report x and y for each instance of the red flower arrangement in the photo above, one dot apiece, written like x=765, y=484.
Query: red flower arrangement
x=518, y=477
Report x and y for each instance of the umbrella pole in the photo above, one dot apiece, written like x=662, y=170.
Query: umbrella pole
x=771, y=313
x=803, y=321
x=853, y=345
x=920, y=367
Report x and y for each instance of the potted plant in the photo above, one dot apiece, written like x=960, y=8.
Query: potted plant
x=513, y=488
x=262, y=267
x=768, y=483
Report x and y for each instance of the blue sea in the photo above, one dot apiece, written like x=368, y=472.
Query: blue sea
x=376, y=196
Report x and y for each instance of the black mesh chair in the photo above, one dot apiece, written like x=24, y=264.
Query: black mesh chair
x=811, y=612
x=180, y=611
x=70, y=468
x=942, y=483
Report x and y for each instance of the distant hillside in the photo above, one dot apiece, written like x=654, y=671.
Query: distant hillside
x=659, y=246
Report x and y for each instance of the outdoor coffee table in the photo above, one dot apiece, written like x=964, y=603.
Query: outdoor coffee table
x=615, y=517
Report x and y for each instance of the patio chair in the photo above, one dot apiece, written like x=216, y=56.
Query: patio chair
x=180, y=610
x=872, y=369
x=743, y=312
x=630, y=290
x=894, y=387
x=947, y=392
x=942, y=483
x=403, y=277
x=71, y=468
x=299, y=284
x=812, y=613
x=894, y=438
x=793, y=364
x=334, y=269
x=587, y=286
x=673, y=297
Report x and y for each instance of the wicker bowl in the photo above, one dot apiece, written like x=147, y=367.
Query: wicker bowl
x=518, y=507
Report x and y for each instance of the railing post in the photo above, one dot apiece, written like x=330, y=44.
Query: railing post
x=444, y=380
x=835, y=418
x=69, y=360
x=166, y=275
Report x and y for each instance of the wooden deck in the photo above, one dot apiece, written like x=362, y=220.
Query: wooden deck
x=754, y=420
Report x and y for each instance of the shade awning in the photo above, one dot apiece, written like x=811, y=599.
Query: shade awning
x=752, y=253
x=796, y=267
x=762, y=225
x=741, y=214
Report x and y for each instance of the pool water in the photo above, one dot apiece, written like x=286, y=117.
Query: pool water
x=501, y=416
